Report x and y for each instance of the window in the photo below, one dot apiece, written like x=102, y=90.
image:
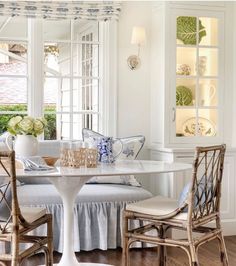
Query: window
x=72, y=81
x=13, y=69
x=67, y=86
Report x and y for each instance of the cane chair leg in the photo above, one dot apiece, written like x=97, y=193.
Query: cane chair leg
x=50, y=243
x=126, y=253
x=161, y=248
x=194, y=255
x=223, y=252
x=15, y=263
x=46, y=256
x=161, y=255
x=125, y=249
x=187, y=250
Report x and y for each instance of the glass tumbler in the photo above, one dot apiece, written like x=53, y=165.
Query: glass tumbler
x=75, y=154
x=64, y=153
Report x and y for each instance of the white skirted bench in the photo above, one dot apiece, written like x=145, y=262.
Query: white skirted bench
x=99, y=207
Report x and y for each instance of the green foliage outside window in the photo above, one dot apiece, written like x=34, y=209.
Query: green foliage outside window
x=50, y=130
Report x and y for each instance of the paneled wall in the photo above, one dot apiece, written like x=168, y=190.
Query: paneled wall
x=133, y=85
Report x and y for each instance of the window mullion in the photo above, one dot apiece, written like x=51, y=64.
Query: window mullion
x=71, y=81
x=35, y=68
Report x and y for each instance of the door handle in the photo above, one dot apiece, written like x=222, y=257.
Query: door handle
x=173, y=114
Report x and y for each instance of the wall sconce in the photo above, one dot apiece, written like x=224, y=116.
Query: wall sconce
x=139, y=38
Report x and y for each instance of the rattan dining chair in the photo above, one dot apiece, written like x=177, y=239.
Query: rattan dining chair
x=200, y=206
x=16, y=228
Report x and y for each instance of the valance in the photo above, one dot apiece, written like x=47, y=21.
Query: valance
x=89, y=10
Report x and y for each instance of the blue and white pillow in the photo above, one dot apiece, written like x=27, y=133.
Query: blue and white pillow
x=123, y=149
x=201, y=187
x=128, y=180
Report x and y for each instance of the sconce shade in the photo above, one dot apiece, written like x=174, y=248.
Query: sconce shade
x=138, y=36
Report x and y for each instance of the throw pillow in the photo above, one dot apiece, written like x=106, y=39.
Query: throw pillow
x=128, y=180
x=201, y=187
x=123, y=148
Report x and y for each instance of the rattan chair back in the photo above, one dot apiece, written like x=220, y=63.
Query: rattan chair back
x=14, y=228
x=205, y=187
x=7, y=165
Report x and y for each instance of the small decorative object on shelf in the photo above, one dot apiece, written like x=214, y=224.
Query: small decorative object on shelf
x=201, y=66
x=187, y=29
x=183, y=69
x=208, y=92
x=184, y=96
x=205, y=127
x=26, y=129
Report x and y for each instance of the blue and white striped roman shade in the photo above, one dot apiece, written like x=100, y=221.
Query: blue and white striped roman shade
x=89, y=10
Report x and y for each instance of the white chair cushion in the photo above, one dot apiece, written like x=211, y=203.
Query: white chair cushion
x=157, y=206
x=32, y=214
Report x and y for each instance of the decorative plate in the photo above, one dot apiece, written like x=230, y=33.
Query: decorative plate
x=187, y=28
x=205, y=127
x=184, y=96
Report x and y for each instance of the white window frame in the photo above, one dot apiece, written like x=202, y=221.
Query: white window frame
x=19, y=58
x=89, y=29
x=108, y=57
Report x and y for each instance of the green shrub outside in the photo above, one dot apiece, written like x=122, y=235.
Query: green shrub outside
x=50, y=130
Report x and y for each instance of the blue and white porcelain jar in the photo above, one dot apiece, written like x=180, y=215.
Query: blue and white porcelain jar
x=105, y=151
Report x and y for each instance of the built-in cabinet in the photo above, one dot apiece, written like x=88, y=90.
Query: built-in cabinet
x=188, y=74
x=191, y=92
x=198, y=77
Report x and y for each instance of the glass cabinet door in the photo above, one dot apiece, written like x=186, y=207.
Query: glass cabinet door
x=197, y=56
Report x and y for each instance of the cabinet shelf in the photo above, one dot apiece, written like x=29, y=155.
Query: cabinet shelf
x=195, y=76
x=190, y=107
x=197, y=46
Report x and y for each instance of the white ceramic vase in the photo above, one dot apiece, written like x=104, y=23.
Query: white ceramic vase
x=26, y=145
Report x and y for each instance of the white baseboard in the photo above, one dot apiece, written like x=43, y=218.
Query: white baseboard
x=229, y=227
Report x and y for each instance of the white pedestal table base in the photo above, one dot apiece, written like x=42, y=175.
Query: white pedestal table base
x=68, y=189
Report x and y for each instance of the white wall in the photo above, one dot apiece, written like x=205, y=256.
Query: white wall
x=234, y=77
x=133, y=85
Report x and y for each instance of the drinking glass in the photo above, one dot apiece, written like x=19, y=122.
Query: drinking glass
x=64, y=153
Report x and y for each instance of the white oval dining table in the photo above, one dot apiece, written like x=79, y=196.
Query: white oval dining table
x=69, y=181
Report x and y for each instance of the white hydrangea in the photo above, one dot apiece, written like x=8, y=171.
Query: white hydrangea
x=26, y=125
